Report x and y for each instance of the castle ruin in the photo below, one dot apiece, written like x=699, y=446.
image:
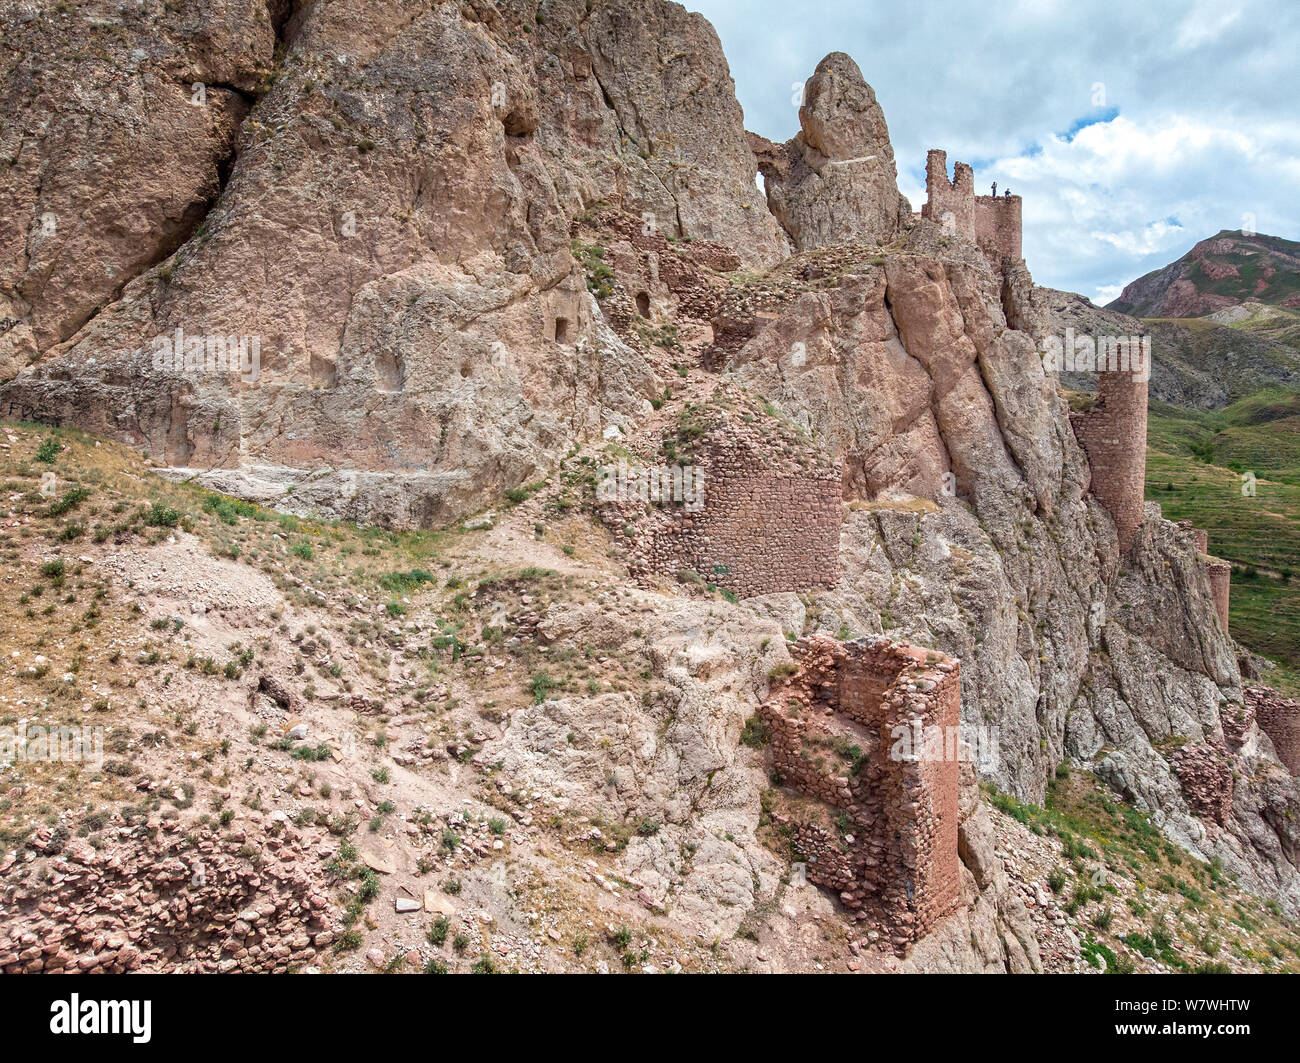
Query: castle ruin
x=990, y=222
x=767, y=521
x=1113, y=433
x=866, y=735
x=1217, y=571
x=1279, y=718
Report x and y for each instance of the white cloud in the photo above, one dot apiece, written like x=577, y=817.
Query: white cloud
x=1205, y=131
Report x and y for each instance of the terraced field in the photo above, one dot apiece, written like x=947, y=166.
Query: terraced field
x=1198, y=465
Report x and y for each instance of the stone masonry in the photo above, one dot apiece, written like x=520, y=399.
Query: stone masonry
x=991, y=222
x=1217, y=571
x=1220, y=576
x=769, y=522
x=1113, y=433
x=1279, y=718
x=866, y=734
x=1204, y=772
x=997, y=227
x=949, y=204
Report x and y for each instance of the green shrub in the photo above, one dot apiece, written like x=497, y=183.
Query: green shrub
x=161, y=516
x=755, y=733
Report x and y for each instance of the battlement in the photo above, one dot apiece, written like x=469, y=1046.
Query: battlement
x=993, y=222
x=866, y=734
x=949, y=204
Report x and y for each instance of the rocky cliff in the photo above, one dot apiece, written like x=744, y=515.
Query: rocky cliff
x=474, y=238
x=390, y=219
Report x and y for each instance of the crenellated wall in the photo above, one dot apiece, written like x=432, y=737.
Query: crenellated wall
x=950, y=204
x=991, y=222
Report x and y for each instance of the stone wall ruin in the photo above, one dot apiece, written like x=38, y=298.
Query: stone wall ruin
x=1279, y=718
x=865, y=734
x=1113, y=433
x=769, y=521
x=993, y=223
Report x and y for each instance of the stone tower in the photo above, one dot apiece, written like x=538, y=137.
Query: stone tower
x=992, y=222
x=950, y=204
x=1113, y=433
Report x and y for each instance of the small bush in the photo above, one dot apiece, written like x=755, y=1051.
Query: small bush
x=161, y=516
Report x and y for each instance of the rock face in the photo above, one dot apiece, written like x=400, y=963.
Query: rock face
x=383, y=224
x=662, y=69
x=111, y=159
x=970, y=529
x=393, y=232
x=835, y=182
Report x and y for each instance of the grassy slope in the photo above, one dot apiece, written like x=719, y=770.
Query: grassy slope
x=1133, y=896
x=1195, y=463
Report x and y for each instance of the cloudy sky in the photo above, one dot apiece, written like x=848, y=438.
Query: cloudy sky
x=1132, y=129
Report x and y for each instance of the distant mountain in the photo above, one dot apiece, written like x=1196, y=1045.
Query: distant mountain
x=1202, y=363
x=1223, y=271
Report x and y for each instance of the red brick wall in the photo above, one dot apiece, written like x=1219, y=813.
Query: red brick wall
x=992, y=222
x=1217, y=571
x=1220, y=574
x=956, y=197
x=1204, y=773
x=997, y=226
x=900, y=872
x=1114, y=435
x=1279, y=718
x=765, y=526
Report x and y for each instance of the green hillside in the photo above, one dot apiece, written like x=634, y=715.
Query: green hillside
x=1195, y=465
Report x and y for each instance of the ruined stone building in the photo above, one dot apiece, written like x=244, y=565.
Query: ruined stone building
x=866, y=734
x=1113, y=433
x=769, y=520
x=1279, y=718
x=991, y=222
